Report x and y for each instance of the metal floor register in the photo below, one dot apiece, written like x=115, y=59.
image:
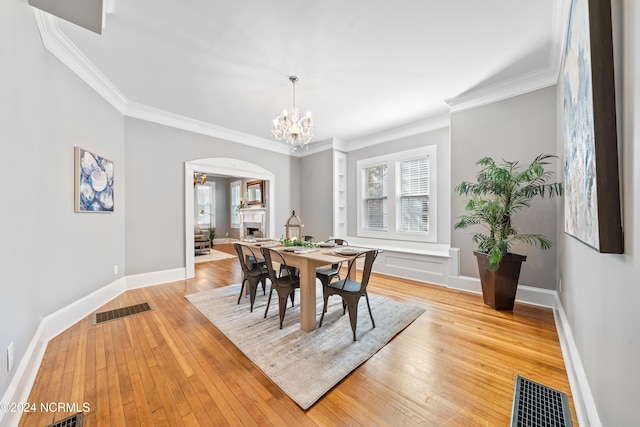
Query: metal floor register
x=536, y=405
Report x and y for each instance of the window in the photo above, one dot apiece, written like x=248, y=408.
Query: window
x=413, y=195
x=205, y=205
x=236, y=188
x=396, y=196
x=374, y=202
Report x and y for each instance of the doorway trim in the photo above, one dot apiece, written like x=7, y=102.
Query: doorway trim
x=226, y=167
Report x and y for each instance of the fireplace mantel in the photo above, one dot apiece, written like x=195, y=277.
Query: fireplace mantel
x=254, y=218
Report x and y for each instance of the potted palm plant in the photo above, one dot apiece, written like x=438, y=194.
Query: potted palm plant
x=499, y=193
x=212, y=234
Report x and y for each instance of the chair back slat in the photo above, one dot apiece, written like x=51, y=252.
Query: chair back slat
x=266, y=253
x=369, y=258
x=241, y=257
x=245, y=253
x=270, y=256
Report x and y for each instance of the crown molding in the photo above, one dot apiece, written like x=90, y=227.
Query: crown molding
x=559, y=33
x=528, y=82
x=56, y=42
x=312, y=148
x=504, y=90
x=435, y=122
x=62, y=48
x=156, y=115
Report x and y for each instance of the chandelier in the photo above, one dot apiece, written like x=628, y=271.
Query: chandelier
x=201, y=180
x=296, y=131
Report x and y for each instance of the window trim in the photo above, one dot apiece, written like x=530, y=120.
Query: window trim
x=207, y=207
x=392, y=160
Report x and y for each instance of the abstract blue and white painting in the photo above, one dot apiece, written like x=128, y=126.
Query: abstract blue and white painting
x=581, y=196
x=93, y=182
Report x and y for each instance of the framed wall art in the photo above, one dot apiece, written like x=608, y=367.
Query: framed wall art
x=93, y=182
x=592, y=195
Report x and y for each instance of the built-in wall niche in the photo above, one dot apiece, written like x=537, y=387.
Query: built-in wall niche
x=255, y=192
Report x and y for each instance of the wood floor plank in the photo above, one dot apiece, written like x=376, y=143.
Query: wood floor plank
x=455, y=365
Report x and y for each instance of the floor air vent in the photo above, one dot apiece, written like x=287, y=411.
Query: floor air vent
x=105, y=316
x=72, y=421
x=537, y=405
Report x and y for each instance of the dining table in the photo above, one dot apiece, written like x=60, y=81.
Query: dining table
x=307, y=260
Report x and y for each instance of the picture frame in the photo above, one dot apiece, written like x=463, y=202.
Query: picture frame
x=592, y=200
x=93, y=182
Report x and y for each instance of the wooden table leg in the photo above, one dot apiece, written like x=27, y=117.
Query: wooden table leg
x=307, y=296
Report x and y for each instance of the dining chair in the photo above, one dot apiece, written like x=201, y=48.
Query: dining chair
x=327, y=274
x=253, y=272
x=284, y=282
x=351, y=290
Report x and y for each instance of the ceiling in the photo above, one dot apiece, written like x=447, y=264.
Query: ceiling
x=364, y=66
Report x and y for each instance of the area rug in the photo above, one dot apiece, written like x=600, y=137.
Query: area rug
x=305, y=365
x=213, y=255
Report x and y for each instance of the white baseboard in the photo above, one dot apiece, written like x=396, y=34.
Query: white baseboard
x=583, y=401
x=51, y=326
x=23, y=379
x=57, y=322
x=526, y=294
x=155, y=278
x=464, y=283
x=536, y=296
x=61, y=320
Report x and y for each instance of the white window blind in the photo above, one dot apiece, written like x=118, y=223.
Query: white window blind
x=235, y=203
x=413, y=195
x=375, y=203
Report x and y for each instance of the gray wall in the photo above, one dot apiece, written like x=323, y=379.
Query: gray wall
x=316, y=210
x=223, y=205
x=438, y=137
x=45, y=110
x=600, y=292
x=516, y=129
x=50, y=256
x=155, y=202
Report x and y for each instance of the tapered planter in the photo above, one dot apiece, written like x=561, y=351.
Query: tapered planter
x=499, y=287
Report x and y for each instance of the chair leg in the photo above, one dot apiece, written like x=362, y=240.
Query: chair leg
x=253, y=290
x=324, y=309
x=241, y=290
x=282, y=304
x=366, y=295
x=268, y=301
x=352, y=305
x=325, y=283
x=293, y=296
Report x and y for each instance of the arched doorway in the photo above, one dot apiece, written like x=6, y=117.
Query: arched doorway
x=224, y=167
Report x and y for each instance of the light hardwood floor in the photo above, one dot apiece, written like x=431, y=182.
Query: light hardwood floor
x=454, y=366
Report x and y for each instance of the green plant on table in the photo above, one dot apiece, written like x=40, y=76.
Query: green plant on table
x=294, y=241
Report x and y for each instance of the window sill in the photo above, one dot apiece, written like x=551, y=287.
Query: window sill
x=419, y=248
